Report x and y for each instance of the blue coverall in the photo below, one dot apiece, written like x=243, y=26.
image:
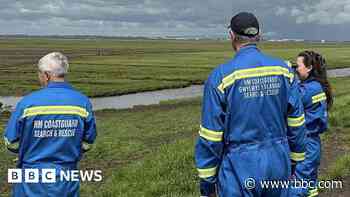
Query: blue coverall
x=316, y=122
x=48, y=130
x=252, y=125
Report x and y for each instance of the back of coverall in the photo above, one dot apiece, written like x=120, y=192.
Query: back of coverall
x=252, y=125
x=48, y=129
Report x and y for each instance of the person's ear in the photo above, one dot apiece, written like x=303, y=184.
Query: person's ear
x=47, y=76
x=42, y=78
x=258, y=37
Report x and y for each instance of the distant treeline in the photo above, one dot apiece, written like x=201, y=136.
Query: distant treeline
x=72, y=37
x=92, y=37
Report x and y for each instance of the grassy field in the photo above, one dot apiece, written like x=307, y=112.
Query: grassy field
x=148, y=151
x=114, y=67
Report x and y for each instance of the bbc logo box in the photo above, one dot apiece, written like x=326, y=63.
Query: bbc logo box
x=31, y=176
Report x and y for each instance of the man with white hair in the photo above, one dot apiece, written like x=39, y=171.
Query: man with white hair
x=50, y=129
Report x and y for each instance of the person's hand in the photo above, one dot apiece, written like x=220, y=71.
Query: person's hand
x=85, y=147
x=293, y=166
x=207, y=189
x=212, y=195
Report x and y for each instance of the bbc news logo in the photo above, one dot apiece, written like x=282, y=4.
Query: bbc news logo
x=52, y=175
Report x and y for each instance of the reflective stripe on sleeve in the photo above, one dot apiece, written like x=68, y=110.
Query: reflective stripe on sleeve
x=215, y=136
x=297, y=156
x=319, y=97
x=206, y=172
x=296, y=122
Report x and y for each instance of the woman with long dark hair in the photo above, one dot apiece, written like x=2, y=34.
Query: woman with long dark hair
x=317, y=99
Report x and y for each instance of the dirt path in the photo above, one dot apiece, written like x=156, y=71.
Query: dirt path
x=342, y=72
x=334, y=146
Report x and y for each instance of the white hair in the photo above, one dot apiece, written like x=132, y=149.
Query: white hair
x=54, y=63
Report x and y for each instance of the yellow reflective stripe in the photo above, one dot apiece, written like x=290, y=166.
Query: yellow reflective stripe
x=207, y=172
x=215, y=136
x=254, y=72
x=51, y=110
x=9, y=145
x=297, y=156
x=313, y=193
x=319, y=97
x=296, y=122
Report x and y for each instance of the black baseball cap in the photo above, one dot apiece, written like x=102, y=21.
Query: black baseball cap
x=245, y=24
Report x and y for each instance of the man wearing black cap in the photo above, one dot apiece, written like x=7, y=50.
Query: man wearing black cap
x=252, y=120
x=244, y=28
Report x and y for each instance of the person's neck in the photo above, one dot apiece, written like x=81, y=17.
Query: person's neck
x=241, y=45
x=57, y=80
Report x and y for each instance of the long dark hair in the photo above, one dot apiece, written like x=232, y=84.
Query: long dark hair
x=318, y=72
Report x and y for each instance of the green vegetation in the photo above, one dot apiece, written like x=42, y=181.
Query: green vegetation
x=148, y=151
x=105, y=67
x=339, y=169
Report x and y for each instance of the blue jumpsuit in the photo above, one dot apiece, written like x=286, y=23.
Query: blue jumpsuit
x=48, y=130
x=252, y=125
x=316, y=122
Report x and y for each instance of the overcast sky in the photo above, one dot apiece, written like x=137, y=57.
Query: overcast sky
x=308, y=19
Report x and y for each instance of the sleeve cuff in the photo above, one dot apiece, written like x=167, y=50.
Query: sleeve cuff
x=211, y=135
x=13, y=147
x=204, y=173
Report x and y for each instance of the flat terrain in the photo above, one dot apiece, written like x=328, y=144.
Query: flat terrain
x=148, y=151
x=105, y=67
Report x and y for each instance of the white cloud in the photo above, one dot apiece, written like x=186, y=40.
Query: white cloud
x=323, y=12
x=281, y=11
x=286, y=18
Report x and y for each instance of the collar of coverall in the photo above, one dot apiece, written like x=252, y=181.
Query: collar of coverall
x=55, y=84
x=246, y=47
x=309, y=79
